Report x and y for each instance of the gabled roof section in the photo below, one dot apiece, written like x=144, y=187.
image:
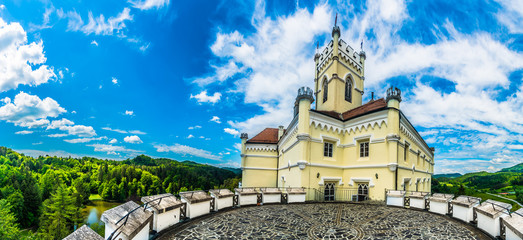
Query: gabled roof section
x=372, y=106
x=268, y=135
x=136, y=221
x=84, y=232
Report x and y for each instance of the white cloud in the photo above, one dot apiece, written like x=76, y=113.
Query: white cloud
x=186, y=150
x=24, y=132
x=57, y=135
x=204, y=98
x=112, y=149
x=94, y=43
x=149, y=4
x=190, y=136
x=21, y=63
x=137, y=132
x=84, y=140
x=71, y=129
x=97, y=25
x=133, y=139
x=195, y=127
x=231, y=131
x=114, y=130
x=2, y=6
x=511, y=15
x=60, y=123
x=144, y=47
x=113, y=141
x=231, y=164
x=238, y=146
x=114, y=80
x=269, y=78
x=130, y=113
x=215, y=119
x=29, y=110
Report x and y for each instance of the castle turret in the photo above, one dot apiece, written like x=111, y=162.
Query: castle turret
x=244, y=138
x=393, y=97
x=303, y=101
x=393, y=102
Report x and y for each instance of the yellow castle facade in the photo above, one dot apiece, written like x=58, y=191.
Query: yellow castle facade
x=341, y=142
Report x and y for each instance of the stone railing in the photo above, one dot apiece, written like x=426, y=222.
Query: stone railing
x=491, y=217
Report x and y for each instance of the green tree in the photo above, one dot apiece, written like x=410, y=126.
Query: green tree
x=8, y=226
x=60, y=213
x=16, y=201
x=519, y=195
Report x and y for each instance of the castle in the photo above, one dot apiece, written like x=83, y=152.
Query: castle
x=341, y=142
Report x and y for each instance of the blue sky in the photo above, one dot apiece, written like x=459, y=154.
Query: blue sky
x=182, y=79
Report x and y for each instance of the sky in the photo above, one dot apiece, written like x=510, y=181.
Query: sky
x=182, y=79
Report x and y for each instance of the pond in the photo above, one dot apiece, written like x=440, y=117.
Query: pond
x=94, y=210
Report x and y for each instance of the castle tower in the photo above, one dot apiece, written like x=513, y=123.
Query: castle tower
x=339, y=79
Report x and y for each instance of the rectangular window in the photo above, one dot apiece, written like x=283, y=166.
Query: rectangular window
x=364, y=149
x=327, y=149
x=407, y=145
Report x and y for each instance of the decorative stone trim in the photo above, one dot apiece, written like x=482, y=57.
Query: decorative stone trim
x=303, y=137
x=260, y=156
x=366, y=122
x=369, y=180
x=393, y=138
x=409, y=131
x=392, y=166
x=323, y=179
x=302, y=164
x=261, y=147
x=377, y=140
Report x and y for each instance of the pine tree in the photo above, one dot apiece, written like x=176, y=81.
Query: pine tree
x=8, y=226
x=60, y=213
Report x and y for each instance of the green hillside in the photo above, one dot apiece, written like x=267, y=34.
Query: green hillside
x=517, y=168
x=47, y=193
x=507, y=181
x=447, y=175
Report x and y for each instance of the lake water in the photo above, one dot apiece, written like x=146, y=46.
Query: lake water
x=94, y=210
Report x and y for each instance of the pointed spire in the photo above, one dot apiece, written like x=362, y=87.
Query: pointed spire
x=336, y=29
x=362, y=44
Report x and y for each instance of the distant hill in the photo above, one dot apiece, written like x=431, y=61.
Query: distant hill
x=447, y=175
x=237, y=171
x=516, y=168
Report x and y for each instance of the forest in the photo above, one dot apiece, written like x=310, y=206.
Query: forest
x=46, y=194
x=507, y=181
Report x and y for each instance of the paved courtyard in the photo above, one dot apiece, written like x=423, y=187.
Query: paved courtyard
x=323, y=221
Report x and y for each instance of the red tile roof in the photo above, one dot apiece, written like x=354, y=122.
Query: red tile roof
x=356, y=112
x=268, y=135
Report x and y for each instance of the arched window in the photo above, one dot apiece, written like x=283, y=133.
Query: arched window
x=348, y=90
x=325, y=90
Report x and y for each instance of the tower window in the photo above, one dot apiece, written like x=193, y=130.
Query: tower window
x=327, y=149
x=407, y=145
x=364, y=149
x=348, y=90
x=325, y=90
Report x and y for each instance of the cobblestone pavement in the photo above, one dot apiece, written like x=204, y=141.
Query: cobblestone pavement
x=324, y=221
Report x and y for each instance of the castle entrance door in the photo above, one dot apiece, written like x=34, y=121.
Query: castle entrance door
x=363, y=191
x=329, y=191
